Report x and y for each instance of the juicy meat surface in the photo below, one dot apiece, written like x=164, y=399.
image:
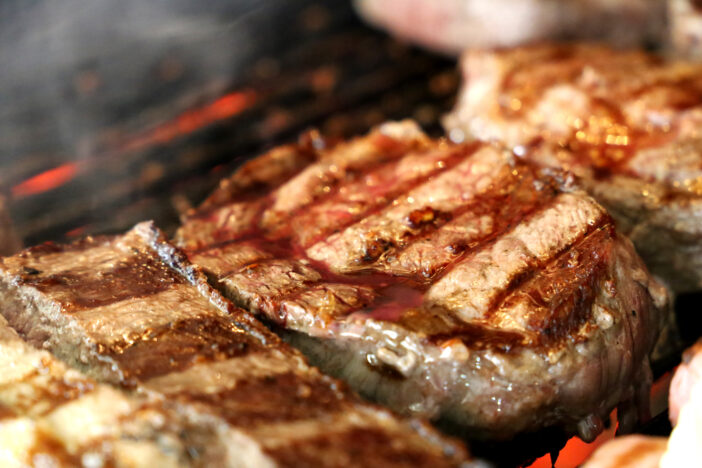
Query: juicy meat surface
x=453, y=25
x=130, y=310
x=626, y=122
x=51, y=415
x=451, y=281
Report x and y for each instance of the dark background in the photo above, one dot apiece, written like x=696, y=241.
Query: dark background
x=91, y=93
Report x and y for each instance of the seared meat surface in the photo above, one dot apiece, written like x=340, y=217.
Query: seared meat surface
x=130, y=310
x=627, y=123
x=451, y=281
x=453, y=25
x=51, y=415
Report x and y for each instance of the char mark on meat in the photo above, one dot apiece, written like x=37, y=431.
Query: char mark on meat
x=626, y=122
x=131, y=310
x=447, y=280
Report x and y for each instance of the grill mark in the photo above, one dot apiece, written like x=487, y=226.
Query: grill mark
x=605, y=158
x=451, y=160
x=274, y=399
x=177, y=345
x=305, y=153
x=374, y=249
x=486, y=204
x=355, y=446
x=138, y=276
x=577, y=296
x=535, y=266
x=389, y=150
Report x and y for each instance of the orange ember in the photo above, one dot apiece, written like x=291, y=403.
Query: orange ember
x=576, y=451
x=45, y=181
x=224, y=107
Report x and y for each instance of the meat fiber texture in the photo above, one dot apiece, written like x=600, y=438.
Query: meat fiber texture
x=51, y=415
x=627, y=123
x=451, y=26
x=453, y=281
x=132, y=312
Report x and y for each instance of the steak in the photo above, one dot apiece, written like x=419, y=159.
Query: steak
x=451, y=26
x=445, y=280
x=131, y=311
x=51, y=415
x=627, y=123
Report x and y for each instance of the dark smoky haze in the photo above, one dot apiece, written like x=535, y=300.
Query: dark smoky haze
x=82, y=82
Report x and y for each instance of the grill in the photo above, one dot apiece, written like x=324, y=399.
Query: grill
x=153, y=152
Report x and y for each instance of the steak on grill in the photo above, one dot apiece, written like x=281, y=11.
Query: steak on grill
x=453, y=25
x=626, y=122
x=130, y=310
x=450, y=281
x=54, y=416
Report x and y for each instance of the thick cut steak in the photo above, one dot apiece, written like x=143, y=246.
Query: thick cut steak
x=130, y=310
x=451, y=26
x=51, y=415
x=626, y=122
x=451, y=281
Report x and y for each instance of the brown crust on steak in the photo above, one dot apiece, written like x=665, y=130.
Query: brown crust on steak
x=626, y=122
x=163, y=330
x=421, y=267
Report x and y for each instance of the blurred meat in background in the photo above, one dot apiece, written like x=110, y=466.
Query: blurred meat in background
x=450, y=26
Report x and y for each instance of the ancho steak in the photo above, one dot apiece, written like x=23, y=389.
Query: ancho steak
x=130, y=310
x=445, y=280
x=626, y=122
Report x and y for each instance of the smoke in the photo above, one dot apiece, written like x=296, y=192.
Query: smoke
x=72, y=69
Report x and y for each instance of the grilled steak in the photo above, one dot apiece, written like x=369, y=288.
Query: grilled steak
x=51, y=415
x=450, y=281
x=131, y=310
x=9, y=242
x=626, y=122
x=453, y=25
